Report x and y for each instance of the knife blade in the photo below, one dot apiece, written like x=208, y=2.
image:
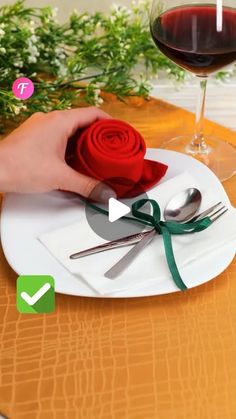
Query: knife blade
x=126, y=260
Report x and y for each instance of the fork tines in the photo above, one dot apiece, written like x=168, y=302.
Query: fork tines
x=217, y=214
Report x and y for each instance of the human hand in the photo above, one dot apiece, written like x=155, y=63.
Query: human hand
x=32, y=157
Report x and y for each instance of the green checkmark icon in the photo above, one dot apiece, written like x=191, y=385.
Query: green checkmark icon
x=35, y=294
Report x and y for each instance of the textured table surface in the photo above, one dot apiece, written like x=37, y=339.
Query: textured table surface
x=166, y=357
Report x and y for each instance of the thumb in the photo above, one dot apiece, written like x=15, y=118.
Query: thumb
x=73, y=181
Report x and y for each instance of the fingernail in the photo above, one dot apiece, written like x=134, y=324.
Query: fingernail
x=102, y=193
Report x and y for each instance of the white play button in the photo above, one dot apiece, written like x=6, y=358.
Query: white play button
x=117, y=210
x=112, y=226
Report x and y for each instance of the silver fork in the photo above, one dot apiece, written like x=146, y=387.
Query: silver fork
x=135, y=238
x=128, y=258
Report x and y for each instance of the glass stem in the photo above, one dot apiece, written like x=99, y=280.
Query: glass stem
x=198, y=145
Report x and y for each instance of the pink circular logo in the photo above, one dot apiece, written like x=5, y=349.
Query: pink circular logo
x=23, y=88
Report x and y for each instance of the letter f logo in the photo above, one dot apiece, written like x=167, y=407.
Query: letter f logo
x=23, y=88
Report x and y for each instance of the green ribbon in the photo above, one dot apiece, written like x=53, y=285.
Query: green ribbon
x=164, y=228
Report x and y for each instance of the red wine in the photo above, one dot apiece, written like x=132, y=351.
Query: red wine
x=188, y=35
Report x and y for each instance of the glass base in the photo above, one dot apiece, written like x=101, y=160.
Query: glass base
x=218, y=155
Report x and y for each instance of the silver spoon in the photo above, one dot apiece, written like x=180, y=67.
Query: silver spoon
x=181, y=208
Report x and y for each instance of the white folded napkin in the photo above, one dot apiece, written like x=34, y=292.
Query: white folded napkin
x=151, y=264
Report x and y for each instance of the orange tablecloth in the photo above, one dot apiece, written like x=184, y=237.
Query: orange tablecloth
x=167, y=357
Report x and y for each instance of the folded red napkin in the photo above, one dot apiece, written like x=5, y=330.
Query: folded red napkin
x=113, y=151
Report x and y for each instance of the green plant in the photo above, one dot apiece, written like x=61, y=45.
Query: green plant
x=105, y=51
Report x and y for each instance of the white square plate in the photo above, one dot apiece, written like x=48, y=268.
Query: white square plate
x=25, y=217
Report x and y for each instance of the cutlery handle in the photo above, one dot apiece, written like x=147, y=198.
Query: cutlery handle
x=126, y=260
x=124, y=241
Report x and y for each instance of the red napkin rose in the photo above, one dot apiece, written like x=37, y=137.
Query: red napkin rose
x=113, y=151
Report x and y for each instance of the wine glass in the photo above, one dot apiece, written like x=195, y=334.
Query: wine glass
x=199, y=36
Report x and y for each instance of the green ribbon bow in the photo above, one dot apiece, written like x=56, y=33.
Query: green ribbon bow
x=164, y=228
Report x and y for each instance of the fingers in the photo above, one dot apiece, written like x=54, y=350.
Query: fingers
x=62, y=124
x=73, y=181
x=74, y=119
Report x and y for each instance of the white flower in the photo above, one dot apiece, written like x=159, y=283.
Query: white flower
x=84, y=18
x=32, y=59
x=54, y=11
x=61, y=56
x=80, y=33
x=113, y=19
x=32, y=29
x=2, y=32
x=3, y=50
x=57, y=50
x=19, y=74
x=16, y=110
x=18, y=64
x=5, y=72
x=2, y=25
x=56, y=62
x=62, y=70
x=120, y=10
x=32, y=49
x=99, y=101
x=34, y=39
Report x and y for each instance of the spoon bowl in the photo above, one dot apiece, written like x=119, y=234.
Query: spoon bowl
x=183, y=206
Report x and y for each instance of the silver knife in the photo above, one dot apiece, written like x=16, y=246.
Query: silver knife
x=120, y=266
